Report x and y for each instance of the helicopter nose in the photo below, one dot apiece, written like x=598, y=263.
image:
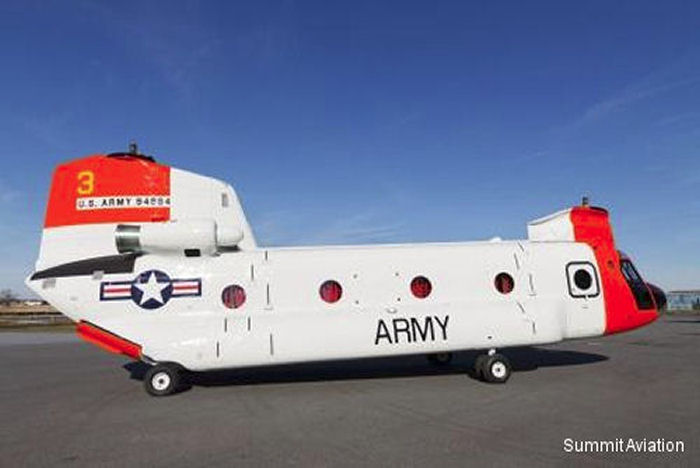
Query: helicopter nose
x=659, y=296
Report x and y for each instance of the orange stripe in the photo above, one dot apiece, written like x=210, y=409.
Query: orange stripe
x=592, y=226
x=110, y=177
x=108, y=341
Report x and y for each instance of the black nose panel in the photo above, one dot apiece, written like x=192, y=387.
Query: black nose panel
x=659, y=296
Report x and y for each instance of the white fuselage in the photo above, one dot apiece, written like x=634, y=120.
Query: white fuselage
x=284, y=319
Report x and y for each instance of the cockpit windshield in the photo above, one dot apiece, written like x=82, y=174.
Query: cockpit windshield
x=639, y=288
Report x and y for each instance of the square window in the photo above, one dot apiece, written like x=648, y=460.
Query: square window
x=582, y=279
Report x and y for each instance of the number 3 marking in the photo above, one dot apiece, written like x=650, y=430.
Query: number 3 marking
x=86, y=182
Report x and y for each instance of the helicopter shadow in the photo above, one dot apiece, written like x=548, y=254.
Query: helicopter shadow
x=522, y=359
x=687, y=320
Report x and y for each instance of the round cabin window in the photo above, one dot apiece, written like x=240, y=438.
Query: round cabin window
x=504, y=283
x=421, y=287
x=583, y=279
x=233, y=296
x=331, y=291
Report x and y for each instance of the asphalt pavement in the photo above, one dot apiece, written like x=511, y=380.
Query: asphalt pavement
x=65, y=402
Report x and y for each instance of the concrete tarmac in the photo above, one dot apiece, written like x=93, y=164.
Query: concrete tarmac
x=64, y=402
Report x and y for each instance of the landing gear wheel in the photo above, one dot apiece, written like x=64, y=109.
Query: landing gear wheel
x=440, y=359
x=495, y=368
x=163, y=379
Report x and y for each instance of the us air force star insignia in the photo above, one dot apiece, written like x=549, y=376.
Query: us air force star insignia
x=151, y=289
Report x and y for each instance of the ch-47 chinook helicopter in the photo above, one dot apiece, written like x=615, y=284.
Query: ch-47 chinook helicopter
x=160, y=265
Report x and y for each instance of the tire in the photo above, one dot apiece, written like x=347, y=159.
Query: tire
x=163, y=379
x=440, y=359
x=496, y=369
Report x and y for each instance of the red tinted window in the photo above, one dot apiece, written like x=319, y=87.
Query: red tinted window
x=421, y=287
x=504, y=283
x=331, y=291
x=233, y=296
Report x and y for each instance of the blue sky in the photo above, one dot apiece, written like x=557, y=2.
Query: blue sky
x=357, y=122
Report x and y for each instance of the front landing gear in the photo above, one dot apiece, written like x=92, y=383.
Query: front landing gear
x=164, y=379
x=492, y=367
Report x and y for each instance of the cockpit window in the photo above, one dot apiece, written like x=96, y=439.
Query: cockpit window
x=630, y=273
x=639, y=288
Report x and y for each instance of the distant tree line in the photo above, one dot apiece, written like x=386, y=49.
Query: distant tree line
x=8, y=297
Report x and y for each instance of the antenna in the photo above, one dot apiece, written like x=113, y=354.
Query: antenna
x=585, y=201
x=133, y=147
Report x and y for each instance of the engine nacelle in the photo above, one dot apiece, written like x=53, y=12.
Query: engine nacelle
x=191, y=237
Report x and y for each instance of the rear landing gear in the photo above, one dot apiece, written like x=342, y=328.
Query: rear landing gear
x=492, y=367
x=164, y=379
x=439, y=359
